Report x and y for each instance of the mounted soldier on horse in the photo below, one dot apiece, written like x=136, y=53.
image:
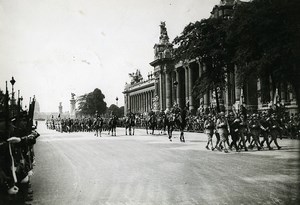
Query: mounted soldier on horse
x=177, y=118
x=98, y=125
x=112, y=125
x=130, y=123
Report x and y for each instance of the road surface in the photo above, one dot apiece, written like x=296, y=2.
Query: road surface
x=79, y=168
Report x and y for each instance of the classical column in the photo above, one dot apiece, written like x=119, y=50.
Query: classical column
x=237, y=90
x=136, y=103
x=205, y=96
x=168, y=90
x=145, y=102
x=133, y=103
x=140, y=101
x=228, y=91
x=186, y=83
x=282, y=92
x=161, y=90
x=150, y=100
x=190, y=90
x=127, y=102
x=200, y=74
x=271, y=90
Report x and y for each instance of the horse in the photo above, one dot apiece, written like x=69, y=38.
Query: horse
x=152, y=123
x=162, y=123
x=98, y=125
x=112, y=126
x=177, y=120
x=130, y=124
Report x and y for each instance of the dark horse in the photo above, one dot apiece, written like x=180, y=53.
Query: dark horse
x=177, y=120
x=151, y=123
x=162, y=122
x=112, y=125
x=130, y=124
x=98, y=126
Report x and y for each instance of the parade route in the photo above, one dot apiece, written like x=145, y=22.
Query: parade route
x=79, y=168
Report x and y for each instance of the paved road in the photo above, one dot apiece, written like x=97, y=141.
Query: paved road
x=79, y=168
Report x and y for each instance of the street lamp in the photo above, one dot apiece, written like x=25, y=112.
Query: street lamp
x=12, y=82
x=117, y=100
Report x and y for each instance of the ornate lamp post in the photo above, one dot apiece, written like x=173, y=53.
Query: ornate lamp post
x=12, y=82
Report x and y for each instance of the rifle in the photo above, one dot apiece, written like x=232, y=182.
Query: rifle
x=6, y=114
x=29, y=127
x=7, y=131
x=31, y=139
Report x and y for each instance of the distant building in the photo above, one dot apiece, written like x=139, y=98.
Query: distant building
x=60, y=108
x=173, y=82
x=138, y=94
x=72, y=106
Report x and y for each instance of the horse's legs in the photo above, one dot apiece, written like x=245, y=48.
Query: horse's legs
x=182, y=136
x=170, y=129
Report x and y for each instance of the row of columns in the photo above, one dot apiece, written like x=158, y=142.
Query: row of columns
x=186, y=76
x=180, y=93
x=140, y=102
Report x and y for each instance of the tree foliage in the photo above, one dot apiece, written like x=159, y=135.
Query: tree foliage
x=265, y=38
x=114, y=109
x=205, y=40
x=92, y=102
x=261, y=38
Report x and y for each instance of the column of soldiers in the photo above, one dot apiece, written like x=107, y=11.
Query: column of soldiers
x=86, y=124
x=17, y=139
x=242, y=131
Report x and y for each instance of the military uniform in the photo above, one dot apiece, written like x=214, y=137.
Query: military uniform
x=222, y=127
x=234, y=124
x=209, y=131
x=255, y=130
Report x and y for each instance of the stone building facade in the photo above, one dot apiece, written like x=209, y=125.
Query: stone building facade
x=173, y=82
x=139, y=94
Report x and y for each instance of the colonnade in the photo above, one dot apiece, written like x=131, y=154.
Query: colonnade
x=140, y=102
x=181, y=92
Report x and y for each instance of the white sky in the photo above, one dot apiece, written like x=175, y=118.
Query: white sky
x=55, y=47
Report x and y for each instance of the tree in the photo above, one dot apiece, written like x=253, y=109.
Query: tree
x=118, y=111
x=205, y=40
x=266, y=37
x=92, y=102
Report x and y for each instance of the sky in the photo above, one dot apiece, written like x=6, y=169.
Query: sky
x=54, y=48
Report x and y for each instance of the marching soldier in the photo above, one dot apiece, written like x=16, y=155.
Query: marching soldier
x=265, y=131
x=274, y=130
x=255, y=130
x=243, y=131
x=223, y=130
x=216, y=117
x=234, y=124
x=209, y=131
